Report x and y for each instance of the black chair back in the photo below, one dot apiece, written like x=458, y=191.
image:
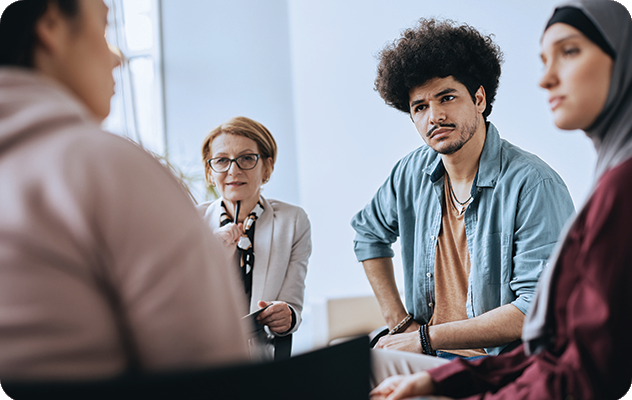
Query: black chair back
x=335, y=372
x=282, y=347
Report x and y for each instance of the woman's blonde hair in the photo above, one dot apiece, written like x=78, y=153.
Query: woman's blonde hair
x=246, y=127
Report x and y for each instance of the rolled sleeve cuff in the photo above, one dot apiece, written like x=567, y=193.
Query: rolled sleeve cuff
x=367, y=251
x=523, y=303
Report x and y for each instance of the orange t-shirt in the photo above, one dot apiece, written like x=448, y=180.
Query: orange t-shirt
x=452, y=269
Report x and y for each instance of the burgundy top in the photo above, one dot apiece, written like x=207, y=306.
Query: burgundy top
x=592, y=353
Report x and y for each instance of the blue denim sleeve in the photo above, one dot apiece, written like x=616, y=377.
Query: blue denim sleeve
x=542, y=213
x=377, y=225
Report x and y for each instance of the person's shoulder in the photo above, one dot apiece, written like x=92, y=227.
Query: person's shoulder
x=206, y=207
x=612, y=193
x=415, y=162
x=111, y=164
x=88, y=139
x=618, y=177
x=283, y=208
x=622, y=170
x=530, y=165
x=422, y=155
x=84, y=148
x=278, y=205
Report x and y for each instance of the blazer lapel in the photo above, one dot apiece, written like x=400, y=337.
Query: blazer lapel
x=212, y=214
x=264, y=231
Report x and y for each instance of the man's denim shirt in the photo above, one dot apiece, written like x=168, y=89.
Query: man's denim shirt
x=519, y=207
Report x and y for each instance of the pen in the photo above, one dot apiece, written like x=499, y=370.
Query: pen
x=237, y=212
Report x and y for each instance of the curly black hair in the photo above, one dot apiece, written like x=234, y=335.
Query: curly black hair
x=438, y=49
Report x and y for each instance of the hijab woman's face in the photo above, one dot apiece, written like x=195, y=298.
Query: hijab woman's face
x=577, y=75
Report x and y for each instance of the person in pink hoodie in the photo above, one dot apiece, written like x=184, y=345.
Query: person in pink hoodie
x=105, y=266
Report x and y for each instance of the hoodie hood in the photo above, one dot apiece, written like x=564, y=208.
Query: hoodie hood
x=30, y=101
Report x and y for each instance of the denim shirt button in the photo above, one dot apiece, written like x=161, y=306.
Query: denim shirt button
x=430, y=305
x=432, y=238
x=429, y=275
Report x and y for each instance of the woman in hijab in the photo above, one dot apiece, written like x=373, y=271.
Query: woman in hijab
x=577, y=337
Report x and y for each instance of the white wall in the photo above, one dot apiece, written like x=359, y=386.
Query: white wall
x=348, y=140
x=306, y=69
x=4, y=4
x=224, y=59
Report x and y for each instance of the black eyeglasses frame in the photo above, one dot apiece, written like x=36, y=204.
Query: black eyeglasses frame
x=233, y=160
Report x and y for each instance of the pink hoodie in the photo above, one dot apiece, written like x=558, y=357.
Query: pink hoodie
x=79, y=207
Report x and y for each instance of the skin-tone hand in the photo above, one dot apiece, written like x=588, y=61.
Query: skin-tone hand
x=229, y=233
x=405, y=341
x=277, y=317
x=403, y=386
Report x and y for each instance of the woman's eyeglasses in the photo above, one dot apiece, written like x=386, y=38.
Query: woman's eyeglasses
x=222, y=164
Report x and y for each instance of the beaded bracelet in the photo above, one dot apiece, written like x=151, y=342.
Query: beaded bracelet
x=402, y=325
x=424, y=339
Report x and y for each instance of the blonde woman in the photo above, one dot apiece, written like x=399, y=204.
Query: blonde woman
x=269, y=240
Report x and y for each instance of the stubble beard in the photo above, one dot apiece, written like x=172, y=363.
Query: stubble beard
x=467, y=133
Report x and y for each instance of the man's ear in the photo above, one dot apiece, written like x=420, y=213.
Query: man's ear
x=481, y=99
x=51, y=29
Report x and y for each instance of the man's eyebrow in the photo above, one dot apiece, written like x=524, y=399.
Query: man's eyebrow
x=441, y=93
x=414, y=103
x=444, y=92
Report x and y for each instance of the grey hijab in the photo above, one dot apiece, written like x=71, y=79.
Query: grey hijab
x=611, y=134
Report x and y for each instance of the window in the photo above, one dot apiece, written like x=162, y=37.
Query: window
x=137, y=106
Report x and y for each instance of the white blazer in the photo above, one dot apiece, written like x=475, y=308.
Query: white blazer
x=283, y=245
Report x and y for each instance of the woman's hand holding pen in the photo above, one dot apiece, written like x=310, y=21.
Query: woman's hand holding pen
x=229, y=233
x=277, y=317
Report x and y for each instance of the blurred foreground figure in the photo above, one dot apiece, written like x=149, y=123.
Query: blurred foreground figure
x=105, y=265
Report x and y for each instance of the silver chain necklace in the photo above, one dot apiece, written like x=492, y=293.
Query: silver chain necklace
x=462, y=205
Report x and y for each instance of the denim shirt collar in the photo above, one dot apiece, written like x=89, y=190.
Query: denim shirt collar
x=488, y=166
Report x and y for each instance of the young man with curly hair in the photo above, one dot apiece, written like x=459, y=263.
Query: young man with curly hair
x=477, y=217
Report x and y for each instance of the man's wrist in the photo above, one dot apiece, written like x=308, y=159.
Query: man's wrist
x=394, y=318
x=424, y=341
x=402, y=325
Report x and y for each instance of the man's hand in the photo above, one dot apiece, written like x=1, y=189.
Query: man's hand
x=407, y=341
x=403, y=386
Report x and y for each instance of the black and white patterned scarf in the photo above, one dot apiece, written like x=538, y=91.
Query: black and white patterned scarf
x=246, y=244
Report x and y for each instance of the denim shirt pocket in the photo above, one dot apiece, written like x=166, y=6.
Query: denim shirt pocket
x=494, y=258
x=491, y=271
